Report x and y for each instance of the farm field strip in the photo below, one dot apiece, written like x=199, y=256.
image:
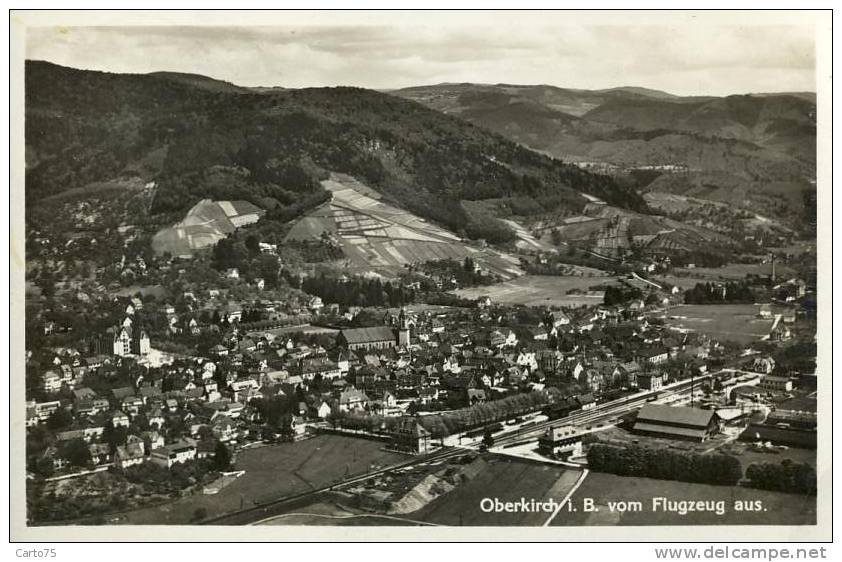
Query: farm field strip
x=372, y=234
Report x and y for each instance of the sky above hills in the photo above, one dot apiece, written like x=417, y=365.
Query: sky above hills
x=685, y=56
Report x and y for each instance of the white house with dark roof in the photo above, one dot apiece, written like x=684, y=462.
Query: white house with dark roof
x=176, y=453
x=352, y=399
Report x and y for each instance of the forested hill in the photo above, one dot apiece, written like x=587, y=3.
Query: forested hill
x=755, y=151
x=201, y=138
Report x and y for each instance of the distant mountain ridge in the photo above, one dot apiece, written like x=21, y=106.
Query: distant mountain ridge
x=199, y=138
x=729, y=149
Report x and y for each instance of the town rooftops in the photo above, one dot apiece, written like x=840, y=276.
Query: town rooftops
x=352, y=395
x=317, y=364
x=122, y=392
x=174, y=449
x=84, y=393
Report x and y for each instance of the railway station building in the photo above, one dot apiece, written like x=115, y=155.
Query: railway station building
x=410, y=437
x=562, y=442
x=677, y=422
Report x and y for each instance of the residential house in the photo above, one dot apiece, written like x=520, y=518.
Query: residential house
x=313, y=366
x=561, y=442
x=119, y=419
x=776, y=383
x=320, y=410
x=650, y=381
x=176, y=453
x=411, y=437
x=130, y=454
x=51, y=382
x=763, y=365
x=352, y=399
x=100, y=453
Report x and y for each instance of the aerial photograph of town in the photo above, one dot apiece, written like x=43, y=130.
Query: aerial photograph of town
x=416, y=280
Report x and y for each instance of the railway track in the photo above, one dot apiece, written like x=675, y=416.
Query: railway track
x=602, y=411
x=598, y=413
x=277, y=507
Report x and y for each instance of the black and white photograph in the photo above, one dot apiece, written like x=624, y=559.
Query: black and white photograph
x=560, y=275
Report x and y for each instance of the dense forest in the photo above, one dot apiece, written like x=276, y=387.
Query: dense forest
x=621, y=295
x=358, y=291
x=272, y=148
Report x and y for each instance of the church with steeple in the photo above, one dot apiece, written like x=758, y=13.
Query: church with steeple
x=395, y=334
x=403, y=329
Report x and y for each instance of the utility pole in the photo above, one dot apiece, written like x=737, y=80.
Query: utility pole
x=692, y=383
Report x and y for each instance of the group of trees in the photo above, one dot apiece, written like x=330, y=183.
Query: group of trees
x=799, y=357
x=720, y=293
x=701, y=258
x=464, y=419
x=162, y=480
x=456, y=421
x=244, y=255
x=787, y=476
x=560, y=264
x=620, y=295
x=275, y=410
x=491, y=230
x=465, y=273
x=358, y=291
x=665, y=464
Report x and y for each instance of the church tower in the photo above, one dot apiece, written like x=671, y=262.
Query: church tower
x=403, y=329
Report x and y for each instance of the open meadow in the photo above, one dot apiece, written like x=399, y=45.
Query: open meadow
x=777, y=508
x=547, y=290
x=728, y=322
x=730, y=272
x=276, y=471
x=500, y=477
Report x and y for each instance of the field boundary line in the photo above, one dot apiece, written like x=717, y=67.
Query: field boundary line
x=567, y=497
x=349, y=516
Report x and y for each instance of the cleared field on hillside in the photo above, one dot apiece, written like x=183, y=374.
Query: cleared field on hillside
x=376, y=236
x=780, y=509
x=534, y=290
x=507, y=479
x=734, y=322
x=612, y=231
x=277, y=471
